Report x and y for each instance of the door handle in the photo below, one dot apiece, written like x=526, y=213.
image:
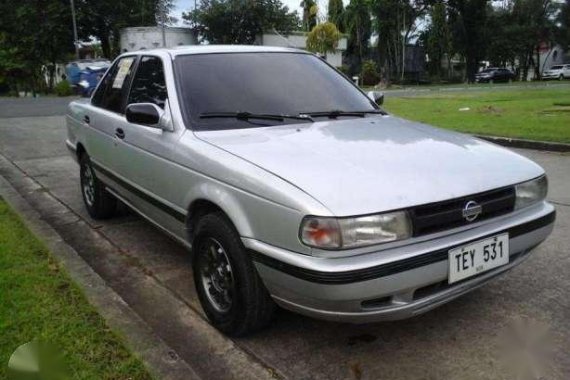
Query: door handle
x=86, y=119
x=120, y=133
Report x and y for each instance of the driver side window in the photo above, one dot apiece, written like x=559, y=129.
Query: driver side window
x=149, y=85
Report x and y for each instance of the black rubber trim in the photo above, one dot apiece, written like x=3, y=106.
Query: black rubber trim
x=153, y=201
x=388, y=269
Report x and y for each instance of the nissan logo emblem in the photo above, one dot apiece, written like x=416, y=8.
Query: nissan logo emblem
x=471, y=211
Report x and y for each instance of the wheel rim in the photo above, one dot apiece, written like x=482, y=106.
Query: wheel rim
x=88, y=185
x=216, y=275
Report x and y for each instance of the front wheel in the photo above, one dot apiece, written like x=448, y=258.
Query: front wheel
x=99, y=203
x=228, y=286
x=561, y=77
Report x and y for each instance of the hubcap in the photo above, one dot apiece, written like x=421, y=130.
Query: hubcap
x=216, y=275
x=89, y=185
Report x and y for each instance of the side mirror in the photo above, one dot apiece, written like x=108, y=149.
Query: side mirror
x=148, y=114
x=376, y=96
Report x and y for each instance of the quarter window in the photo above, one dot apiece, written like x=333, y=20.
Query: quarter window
x=112, y=92
x=148, y=83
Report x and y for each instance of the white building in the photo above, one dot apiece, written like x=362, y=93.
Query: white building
x=298, y=40
x=152, y=37
x=549, y=56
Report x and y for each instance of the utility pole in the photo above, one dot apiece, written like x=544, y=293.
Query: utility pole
x=75, y=40
x=163, y=19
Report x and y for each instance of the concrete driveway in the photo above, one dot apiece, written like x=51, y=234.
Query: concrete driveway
x=470, y=338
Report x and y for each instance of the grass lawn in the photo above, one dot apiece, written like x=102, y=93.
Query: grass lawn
x=529, y=113
x=39, y=301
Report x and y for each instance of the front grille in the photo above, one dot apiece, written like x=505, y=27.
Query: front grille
x=445, y=215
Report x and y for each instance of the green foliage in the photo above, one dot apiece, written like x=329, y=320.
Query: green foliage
x=39, y=301
x=358, y=25
x=105, y=18
x=240, y=21
x=438, y=38
x=63, y=88
x=323, y=38
x=335, y=14
x=310, y=11
x=468, y=19
x=563, y=34
x=370, y=75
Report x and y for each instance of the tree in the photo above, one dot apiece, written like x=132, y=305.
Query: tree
x=563, y=34
x=310, y=11
x=33, y=35
x=239, y=21
x=438, y=42
x=468, y=19
x=396, y=23
x=335, y=14
x=105, y=18
x=505, y=40
x=323, y=38
x=358, y=25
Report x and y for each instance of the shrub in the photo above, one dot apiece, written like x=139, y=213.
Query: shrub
x=63, y=88
x=370, y=75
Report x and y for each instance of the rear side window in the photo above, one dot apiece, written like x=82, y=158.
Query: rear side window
x=112, y=92
x=149, y=85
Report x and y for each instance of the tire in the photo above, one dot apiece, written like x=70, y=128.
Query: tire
x=99, y=203
x=233, y=296
x=561, y=77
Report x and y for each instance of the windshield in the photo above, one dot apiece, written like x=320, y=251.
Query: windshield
x=289, y=84
x=556, y=68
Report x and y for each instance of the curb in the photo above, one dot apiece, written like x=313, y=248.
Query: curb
x=159, y=359
x=527, y=144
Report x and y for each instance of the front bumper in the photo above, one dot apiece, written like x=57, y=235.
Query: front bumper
x=394, y=283
x=551, y=76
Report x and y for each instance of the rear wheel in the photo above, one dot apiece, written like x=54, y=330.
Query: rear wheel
x=229, y=288
x=99, y=203
x=561, y=77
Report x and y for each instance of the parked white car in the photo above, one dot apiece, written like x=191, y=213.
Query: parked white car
x=559, y=72
x=293, y=187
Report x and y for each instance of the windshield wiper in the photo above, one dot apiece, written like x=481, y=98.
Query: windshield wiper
x=336, y=113
x=248, y=115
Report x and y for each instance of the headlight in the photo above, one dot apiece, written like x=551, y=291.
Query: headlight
x=342, y=233
x=531, y=192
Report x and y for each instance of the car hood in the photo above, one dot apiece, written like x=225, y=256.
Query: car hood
x=374, y=164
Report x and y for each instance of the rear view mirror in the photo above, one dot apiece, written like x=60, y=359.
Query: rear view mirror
x=376, y=96
x=148, y=114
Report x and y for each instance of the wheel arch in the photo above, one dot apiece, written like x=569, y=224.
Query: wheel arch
x=225, y=203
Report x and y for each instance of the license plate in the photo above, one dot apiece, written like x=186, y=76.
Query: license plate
x=475, y=258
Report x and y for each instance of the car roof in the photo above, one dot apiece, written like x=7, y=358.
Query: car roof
x=213, y=49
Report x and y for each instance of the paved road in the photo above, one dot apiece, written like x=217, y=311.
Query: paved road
x=25, y=107
x=465, y=339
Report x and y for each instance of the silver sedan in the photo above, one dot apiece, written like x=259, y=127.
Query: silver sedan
x=294, y=188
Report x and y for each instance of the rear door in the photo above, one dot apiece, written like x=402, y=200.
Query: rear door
x=105, y=115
